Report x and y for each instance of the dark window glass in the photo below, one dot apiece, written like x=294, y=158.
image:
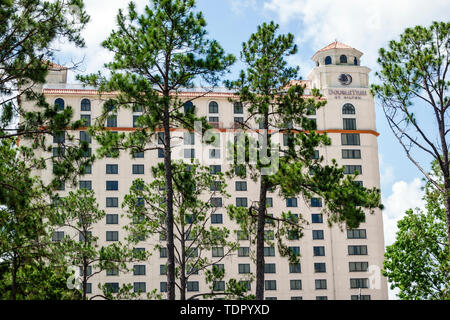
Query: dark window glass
x=85, y=184
x=57, y=236
x=348, y=108
x=139, y=287
x=87, y=119
x=349, y=124
x=111, y=122
x=112, y=185
x=216, y=218
x=189, y=153
x=296, y=284
x=163, y=286
x=85, y=136
x=316, y=218
x=213, y=107
x=138, y=154
x=216, y=202
x=189, y=107
x=112, y=219
x=218, y=285
x=112, y=169
x=320, y=267
x=359, y=283
x=360, y=296
x=112, y=235
x=270, y=268
x=192, y=286
x=238, y=108
x=112, y=287
x=112, y=202
x=244, y=251
x=241, y=185
x=351, y=154
x=214, y=169
x=316, y=202
x=327, y=60
x=356, y=234
x=244, y=268
x=343, y=59
x=59, y=137
x=139, y=270
x=291, y=202
x=241, y=202
x=295, y=268
x=85, y=105
x=59, y=103
x=358, y=266
x=270, y=285
x=138, y=169
x=295, y=250
x=135, y=119
x=160, y=153
x=357, y=250
x=269, y=251
x=351, y=169
x=319, y=251
x=321, y=284
x=317, y=234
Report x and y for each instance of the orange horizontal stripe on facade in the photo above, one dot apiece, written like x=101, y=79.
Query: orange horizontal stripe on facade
x=373, y=132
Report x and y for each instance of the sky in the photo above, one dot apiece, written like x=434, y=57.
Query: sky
x=364, y=25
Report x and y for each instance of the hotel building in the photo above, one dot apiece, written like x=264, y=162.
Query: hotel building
x=334, y=263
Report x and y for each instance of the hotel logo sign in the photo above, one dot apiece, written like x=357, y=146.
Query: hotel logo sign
x=347, y=94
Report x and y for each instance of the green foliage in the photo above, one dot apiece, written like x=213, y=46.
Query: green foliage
x=195, y=238
x=78, y=213
x=418, y=262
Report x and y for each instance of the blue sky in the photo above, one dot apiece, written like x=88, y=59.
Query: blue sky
x=365, y=25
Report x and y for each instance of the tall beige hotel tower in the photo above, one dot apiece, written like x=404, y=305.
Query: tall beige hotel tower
x=335, y=264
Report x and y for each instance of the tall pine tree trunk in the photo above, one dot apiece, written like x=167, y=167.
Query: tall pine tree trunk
x=169, y=202
x=183, y=263
x=261, y=222
x=14, y=277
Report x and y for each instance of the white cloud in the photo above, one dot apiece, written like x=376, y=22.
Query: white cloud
x=387, y=175
x=404, y=196
x=365, y=25
x=238, y=6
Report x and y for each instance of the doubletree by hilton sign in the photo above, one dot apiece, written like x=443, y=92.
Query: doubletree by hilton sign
x=347, y=93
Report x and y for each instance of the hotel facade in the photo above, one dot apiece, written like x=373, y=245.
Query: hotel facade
x=334, y=264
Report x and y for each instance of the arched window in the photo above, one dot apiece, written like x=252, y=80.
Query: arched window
x=343, y=59
x=327, y=60
x=188, y=107
x=59, y=103
x=355, y=61
x=348, y=108
x=213, y=107
x=85, y=105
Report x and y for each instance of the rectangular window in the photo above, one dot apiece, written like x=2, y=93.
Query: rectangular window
x=218, y=285
x=357, y=250
x=86, y=169
x=238, y=120
x=359, y=283
x=112, y=219
x=351, y=154
x=189, y=153
x=358, y=266
x=356, y=234
x=317, y=218
x=296, y=298
x=137, y=108
x=213, y=119
x=87, y=119
x=215, y=186
x=320, y=267
x=214, y=153
x=138, y=169
x=238, y=108
x=216, y=218
x=319, y=251
x=295, y=250
x=160, y=153
x=57, y=236
x=58, y=152
x=112, y=185
x=59, y=137
x=360, y=297
x=269, y=251
x=321, y=298
x=162, y=269
x=269, y=202
x=112, y=272
x=216, y=202
x=189, y=138
x=217, y=251
x=138, y=154
x=241, y=202
x=242, y=235
x=288, y=138
x=321, y=284
x=296, y=284
x=135, y=120
x=241, y=185
x=112, y=287
x=88, y=287
x=269, y=235
x=350, y=139
x=291, y=202
x=139, y=287
x=214, y=169
x=295, y=268
x=244, y=251
x=351, y=169
x=160, y=137
x=81, y=236
x=316, y=154
x=349, y=124
x=88, y=271
x=317, y=234
x=112, y=169
x=163, y=252
x=112, y=202
x=139, y=270
x=270, y=268
x=244, y=268
x=112, y=235
x=270, y=285
x=192, y=286
x=316, y=202
x=111, y=122
x=85, y=184
x=163, y=286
